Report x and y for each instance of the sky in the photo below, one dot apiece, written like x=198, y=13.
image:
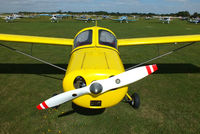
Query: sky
x=125, y=6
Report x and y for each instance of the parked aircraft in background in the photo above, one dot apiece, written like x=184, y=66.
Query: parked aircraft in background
x=62, y=15
x=105, y=17
x=148, y=18
x=56, y=15
x=165, y=19
x=196, y=20
x=86, y=19
x=123, y=19
x=54, y=19
x=11, y=18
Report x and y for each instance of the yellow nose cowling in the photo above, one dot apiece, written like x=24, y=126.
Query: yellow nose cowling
x=95, y=64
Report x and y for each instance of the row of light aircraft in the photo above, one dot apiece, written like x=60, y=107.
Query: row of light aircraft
x=95, y=77
x=55, y=17
x=123, y=19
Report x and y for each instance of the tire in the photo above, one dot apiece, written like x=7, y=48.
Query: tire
x=135, y=103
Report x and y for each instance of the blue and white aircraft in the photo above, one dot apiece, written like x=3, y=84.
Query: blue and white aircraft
x=85, y=19
x=197, y=20
x=123, y=19
x=11, y=18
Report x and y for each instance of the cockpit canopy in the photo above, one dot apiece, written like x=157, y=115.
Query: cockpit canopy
x=107, y=38
x=104, y=38
x=84, y=38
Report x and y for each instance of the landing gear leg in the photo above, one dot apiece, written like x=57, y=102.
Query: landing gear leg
x=134, y=100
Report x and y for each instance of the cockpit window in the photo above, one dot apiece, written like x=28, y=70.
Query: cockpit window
x=107, y=38
x=84, y=38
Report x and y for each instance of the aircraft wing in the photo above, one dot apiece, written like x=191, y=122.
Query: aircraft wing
x=36, y=39
x=158, y=40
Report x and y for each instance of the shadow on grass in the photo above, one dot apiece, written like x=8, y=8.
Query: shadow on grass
x=173, y=68
x=30, y=69
x=82, y=111
x=167, y=68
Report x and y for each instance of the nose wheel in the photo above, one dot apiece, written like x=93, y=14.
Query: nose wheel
x=134, y=100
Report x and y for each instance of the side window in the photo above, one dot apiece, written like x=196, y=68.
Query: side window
x=84, y=38
x=107, y=38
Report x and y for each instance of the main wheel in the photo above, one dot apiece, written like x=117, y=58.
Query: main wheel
x=135, y=103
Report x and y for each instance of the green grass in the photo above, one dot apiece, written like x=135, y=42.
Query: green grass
x=170, y=99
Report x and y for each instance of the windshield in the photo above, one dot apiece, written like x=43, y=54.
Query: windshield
x=84, y=38
x=107, y=38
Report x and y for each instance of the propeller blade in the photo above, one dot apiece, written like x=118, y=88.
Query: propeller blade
x=127, y=77
x=101, y=86
x=63, y=97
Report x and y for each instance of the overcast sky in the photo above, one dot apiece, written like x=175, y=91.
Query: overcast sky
x=141, y=6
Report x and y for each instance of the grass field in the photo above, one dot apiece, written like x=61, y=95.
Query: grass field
x=170, y=98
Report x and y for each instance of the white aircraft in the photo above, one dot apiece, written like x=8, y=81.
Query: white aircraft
x=123, y=19
x=148, y=18
x=54, y=19
x=9, y=18
x=165, y=19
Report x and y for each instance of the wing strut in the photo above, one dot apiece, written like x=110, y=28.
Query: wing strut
x=160, y=56
x=15, y=50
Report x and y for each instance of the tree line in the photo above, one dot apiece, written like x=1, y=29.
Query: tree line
x=181, y=13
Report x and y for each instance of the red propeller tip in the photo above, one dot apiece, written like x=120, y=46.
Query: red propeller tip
x=39, y=107
x=151, y=68
x=155, y=67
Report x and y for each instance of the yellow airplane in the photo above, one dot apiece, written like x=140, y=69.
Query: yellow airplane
x=95, y=77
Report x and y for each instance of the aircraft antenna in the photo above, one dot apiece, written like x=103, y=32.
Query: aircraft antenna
x=96, y=23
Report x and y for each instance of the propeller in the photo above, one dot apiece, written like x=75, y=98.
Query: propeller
x=100, y=86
